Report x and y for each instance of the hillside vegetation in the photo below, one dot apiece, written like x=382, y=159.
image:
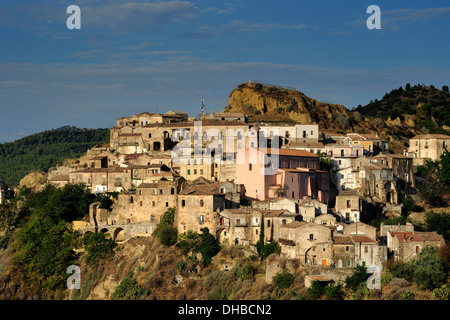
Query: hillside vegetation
x=46, y=149
x=39, y=244
x=427, y=106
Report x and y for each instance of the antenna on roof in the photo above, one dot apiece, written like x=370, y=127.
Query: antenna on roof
x=203, y=106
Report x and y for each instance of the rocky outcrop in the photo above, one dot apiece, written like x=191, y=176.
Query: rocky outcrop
x=264, y=103
x=33, y=180
x=261, y=103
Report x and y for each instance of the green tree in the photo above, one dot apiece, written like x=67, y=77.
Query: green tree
x=439, y=222
x=429, y=273
x=406, y=107
x=316, y=290
x=167, y=235
x=188, y=242
x=208, y=246
x=342, y=120
x=129, y=289
x=443, y=173
x=431, y=189
x=409, y=205
x=269, y=248
x=333, y=291
x=45, y=240
x=325, y=161
x=44, y=251
x=282, y=281
x=98, y=247
x=165, y=231
x=359, y=276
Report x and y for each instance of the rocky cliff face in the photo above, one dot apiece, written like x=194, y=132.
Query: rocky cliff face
x=269, y=103
x=281, y=105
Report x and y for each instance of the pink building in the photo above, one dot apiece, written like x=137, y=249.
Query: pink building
x=294, y=174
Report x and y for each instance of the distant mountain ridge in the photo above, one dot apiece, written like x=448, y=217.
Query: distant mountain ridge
x=46, y=149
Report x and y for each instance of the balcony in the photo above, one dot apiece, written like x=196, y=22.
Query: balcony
x=241, y=223
x=224, y=224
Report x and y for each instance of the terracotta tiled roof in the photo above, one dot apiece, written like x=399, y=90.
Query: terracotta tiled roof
x=431, y=236
x=147, y=185
x=361, y=238
x=292, y=153
x=392, y=155
x=406, y=236
x=430, y=136
x=307, y=144
x=238, y=211
x=342, y=240
x=212, y=188
x=278, y=213
x=295, y=224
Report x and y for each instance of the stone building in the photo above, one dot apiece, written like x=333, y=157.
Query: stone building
x=201, y=167
x=228, y=116
x=144, y=118
x=311, y=146
x=425, y=147
x=292, y=174
x=372, y=144
x=224, y=135
x=348, y=205
x=291, y=133
x=274, y=220
x=309, y=242
x=344, y=251
x=310, y=209
x=277, y=204
x=402, y=168
x=360, y=228
x=406, y=245
x=199, y=204
x=377, y=180
x=147, y=203
x=238, y=226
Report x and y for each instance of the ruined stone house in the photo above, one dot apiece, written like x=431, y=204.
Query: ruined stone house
x=406, y=245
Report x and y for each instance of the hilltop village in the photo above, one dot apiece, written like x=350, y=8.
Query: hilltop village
x=314, y=194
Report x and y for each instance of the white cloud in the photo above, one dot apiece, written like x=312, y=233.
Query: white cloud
x=133, y=16
x=238, y=27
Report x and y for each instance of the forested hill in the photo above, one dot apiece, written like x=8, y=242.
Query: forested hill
x=46, y=149
x=428, y=106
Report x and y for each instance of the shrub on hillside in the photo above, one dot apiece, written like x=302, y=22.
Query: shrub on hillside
x=98, y=247
x=429, y=273
x=129, y=289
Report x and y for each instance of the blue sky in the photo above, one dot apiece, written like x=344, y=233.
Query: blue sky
x=132, y=56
